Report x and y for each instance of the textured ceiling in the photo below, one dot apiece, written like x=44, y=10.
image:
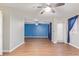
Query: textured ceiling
x=67, y=10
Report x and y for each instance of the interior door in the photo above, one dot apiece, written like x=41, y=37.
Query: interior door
x=60, y=32
x=1, y=33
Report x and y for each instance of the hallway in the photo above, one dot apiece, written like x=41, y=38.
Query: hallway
x=43, y=47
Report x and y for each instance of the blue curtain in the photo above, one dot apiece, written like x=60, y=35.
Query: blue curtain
x=71, y=23
x=50, y=32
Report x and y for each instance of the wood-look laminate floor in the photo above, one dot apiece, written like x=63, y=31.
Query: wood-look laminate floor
x=43, y=47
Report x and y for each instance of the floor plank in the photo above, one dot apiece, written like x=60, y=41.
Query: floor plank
x=43, y=47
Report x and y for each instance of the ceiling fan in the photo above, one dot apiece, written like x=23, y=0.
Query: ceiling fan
x=47, y=7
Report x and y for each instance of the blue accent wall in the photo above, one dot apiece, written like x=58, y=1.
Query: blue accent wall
x=36, y=30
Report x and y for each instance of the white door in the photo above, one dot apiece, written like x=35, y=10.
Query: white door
x=1, y=33
x=60, y=32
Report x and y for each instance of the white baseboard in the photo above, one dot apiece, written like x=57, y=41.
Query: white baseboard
x=54, y=41
x=36, y=36
x=66, y=43
x=74, y=45
x=1, y=53
x=5, y=50
x=13, y=48
x=16, y=47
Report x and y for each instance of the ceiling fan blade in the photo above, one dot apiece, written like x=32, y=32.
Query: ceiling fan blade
x=42, y=12
x=59, y=4
x=39, y=6
x=53, y=11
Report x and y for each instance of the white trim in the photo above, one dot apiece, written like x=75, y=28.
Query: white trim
x=38, y=22
x=36, y=36
x=5, y=50
x=16, y=47
x=13, y=48
x=74, y=45
x=65, y=42
x=54, y=41
x=1, y=53
x=1, y=32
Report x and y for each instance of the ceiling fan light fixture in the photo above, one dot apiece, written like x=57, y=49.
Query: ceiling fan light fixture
x=47, y=9
x=36, y=22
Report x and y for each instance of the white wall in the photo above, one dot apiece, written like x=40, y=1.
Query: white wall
x=16, y=30
x=13, y=28
x=6, y=30
x=1, y=33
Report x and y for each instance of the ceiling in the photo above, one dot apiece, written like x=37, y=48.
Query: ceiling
x=67, y=10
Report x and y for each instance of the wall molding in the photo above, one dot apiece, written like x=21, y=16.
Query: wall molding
x=74, y=45
x=13, y=48
x=5, y=50
x=33, y=22
x=36, y=36
x=16, y=47
x=1, y=53
x=54, y=41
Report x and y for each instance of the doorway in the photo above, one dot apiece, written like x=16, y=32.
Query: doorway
x=60, y=32
x=42, y=30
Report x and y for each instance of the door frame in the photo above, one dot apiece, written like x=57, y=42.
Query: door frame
x=1, y=33
x=43, y=22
